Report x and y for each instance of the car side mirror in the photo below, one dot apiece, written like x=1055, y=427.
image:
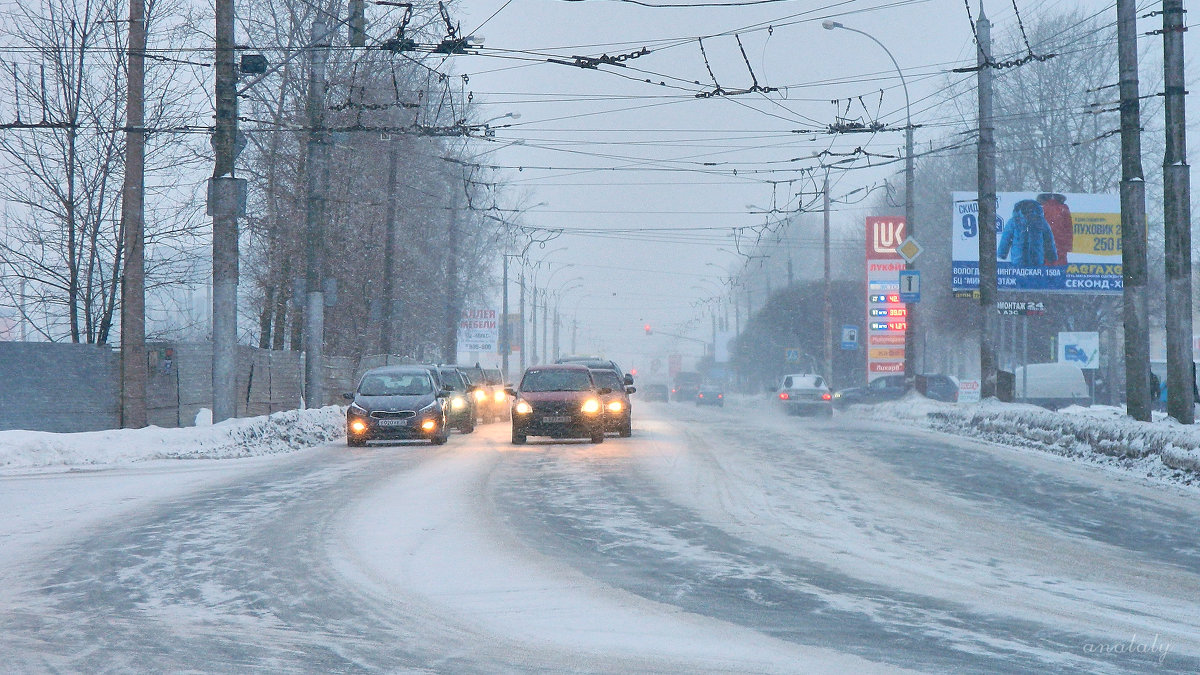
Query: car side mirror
x=349, y=395
x=628, y=379
x=445, y=392
x=510, y=390
x=604, y=391
x=630, y=390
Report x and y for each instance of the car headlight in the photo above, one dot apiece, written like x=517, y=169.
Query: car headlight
x=591, y=406
x=480, y=395
x=500, y=396
x=358, y=426
x=457, y=403
x=615, y=406
x=356, y=409
x=428, y=425
x=837, y=394
x=523, y=408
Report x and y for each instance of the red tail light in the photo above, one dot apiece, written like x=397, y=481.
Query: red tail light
x=720, y=395
x=783, y=396
x=700, y=395
x=826, y=396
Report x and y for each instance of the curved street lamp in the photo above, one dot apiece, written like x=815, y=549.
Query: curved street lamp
x=909, y=226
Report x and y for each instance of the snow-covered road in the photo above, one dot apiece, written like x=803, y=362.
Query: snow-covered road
x=715, y=540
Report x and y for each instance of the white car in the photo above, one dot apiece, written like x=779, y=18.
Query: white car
x=804, y=393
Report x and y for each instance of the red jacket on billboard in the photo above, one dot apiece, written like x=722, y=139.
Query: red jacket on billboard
x=1058, y=215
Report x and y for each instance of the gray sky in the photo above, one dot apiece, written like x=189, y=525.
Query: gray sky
x=595, y=127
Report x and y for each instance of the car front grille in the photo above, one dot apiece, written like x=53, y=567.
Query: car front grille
x=393, y=414
x=555, y=407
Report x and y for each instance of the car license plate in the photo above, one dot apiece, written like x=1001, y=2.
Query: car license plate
x=556, y=419
x=393, y=423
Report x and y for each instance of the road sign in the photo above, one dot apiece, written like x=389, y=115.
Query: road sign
x=792, y=355
x=910, y=285
x=909, y=249
x=1082, y=349
x=849, y=337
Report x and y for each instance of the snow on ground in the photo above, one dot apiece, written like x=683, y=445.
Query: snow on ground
x=1162, y=449
x=433, y=538
x=245, y=437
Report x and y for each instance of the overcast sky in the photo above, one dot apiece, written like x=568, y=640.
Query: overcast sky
x=609, y=152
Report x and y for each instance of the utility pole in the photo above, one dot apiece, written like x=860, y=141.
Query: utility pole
x=225, y=192
x=317, y=167
x=557, y=351
x=533, y=355
x=827, y=310
x=133, y=276
x=387, y=324
x=986, y=176
x=910, y=226
x=453, y=293
x=1138, y=396
x=545, y=323
x=505, y=338
x=1177, y=206
x=521, y=311
x=574, y=333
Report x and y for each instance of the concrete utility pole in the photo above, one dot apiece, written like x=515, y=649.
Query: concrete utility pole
x=387, y=327
x=318, y=168
x=827, y=310
x=533, y=355
x=521, y=311
x=224, y=199
x=1177, y=206
x=986, y=176
x=505, y=338
x=453, y=293
x=133, y=277
x=1138, y=396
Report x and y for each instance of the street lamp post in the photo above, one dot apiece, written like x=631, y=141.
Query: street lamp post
x=910, y=227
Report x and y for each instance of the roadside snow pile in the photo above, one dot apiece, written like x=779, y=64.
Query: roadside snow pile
x=1103, y=434
x=246, y=437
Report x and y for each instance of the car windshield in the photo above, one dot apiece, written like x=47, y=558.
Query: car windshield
x=451, y=379
x=607, y=378
x=395, y=384
x=556, y=380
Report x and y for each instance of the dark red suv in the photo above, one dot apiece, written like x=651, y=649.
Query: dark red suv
x=559, y=401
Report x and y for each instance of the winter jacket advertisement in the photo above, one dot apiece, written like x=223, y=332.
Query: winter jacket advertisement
x=1045, y=241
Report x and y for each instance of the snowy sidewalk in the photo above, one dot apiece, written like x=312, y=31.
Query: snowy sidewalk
x=245, y=437
x=1162, y=449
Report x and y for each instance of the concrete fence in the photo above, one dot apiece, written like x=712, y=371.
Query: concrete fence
x=50, y=386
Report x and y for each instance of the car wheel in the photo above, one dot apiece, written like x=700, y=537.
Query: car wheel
x=439, y=440
x=468, y=426
x=626, y=430
x=518, y=439
x=598, y=436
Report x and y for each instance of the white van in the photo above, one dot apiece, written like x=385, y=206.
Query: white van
x=1051, y=385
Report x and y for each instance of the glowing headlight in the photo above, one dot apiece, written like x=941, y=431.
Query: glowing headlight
x=591, y=406
x=428, y=425
x=480, y=395
x=615, y=406
x=523, y=408
x=499, y=396
x=457, y=402
x=358, y=426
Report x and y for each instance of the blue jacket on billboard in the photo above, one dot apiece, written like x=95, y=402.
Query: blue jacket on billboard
x=1027, y=236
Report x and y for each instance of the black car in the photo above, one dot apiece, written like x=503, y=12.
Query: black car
x=618, y=411
x=460, y=410
x=892, y=387
x=598, y=363
x=398, y=403
x=710, y=394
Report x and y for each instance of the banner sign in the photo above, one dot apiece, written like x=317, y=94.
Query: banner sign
x=887, y=318
x=479, y=330
x=1082, y=349
x=1045, y=241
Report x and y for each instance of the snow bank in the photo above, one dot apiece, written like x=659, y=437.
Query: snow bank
x=245, y=437
x=1103, y=434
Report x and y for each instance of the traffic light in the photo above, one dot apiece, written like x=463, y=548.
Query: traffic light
x=647, y=329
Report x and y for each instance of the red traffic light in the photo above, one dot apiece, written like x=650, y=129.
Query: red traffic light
x=647, y=329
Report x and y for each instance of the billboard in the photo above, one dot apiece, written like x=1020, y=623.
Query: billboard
x=887, y=319
x=1045, y=241
x=478, y=330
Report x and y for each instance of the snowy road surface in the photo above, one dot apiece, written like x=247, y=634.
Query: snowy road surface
x=715, y=540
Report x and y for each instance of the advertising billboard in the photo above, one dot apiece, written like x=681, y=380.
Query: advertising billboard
x=479, y=330
x=887, y=318
x=1045, y=241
